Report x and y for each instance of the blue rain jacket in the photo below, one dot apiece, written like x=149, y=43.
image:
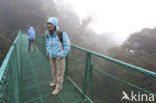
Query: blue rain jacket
x=31, y=33
x=53, y=44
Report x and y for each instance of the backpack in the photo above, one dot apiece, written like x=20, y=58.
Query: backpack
x=60, y=35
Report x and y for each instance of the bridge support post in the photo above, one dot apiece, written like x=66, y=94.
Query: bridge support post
x=88, y=63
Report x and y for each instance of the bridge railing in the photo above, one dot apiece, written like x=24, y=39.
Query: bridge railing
x=10, y=73
x=102, y=79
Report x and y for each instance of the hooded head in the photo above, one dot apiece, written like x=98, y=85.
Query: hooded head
x=53, y=20
x=31, y=27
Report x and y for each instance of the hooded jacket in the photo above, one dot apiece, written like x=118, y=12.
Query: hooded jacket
x=31, y=33
x=53, y=44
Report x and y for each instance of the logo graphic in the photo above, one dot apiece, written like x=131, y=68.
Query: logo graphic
x=125, y=96
x=137, y=97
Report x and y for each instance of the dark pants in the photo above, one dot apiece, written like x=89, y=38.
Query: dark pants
x=31, y=41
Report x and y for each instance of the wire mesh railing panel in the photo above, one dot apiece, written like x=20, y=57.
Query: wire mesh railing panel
x=9, y=74
x=108, y=80
x=77, y=66
x=40, y=42
x=103, y=89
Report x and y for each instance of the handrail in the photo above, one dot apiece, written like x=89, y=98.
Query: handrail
x=5, y=62
x=6, y=69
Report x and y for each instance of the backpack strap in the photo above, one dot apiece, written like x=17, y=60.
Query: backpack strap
x=60, y=35
x=47, y=36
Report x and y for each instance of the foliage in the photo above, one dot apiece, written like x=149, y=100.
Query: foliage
x=139, y=49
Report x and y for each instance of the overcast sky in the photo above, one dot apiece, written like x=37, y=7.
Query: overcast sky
x=117, y=17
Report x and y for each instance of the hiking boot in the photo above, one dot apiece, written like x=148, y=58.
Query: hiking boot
x=52, y=84
x=55, y=92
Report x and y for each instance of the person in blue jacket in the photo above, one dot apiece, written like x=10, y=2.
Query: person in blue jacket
x=57, y=50
x=31, y=37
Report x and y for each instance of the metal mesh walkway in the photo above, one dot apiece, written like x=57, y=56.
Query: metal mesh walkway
x=35, y=79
